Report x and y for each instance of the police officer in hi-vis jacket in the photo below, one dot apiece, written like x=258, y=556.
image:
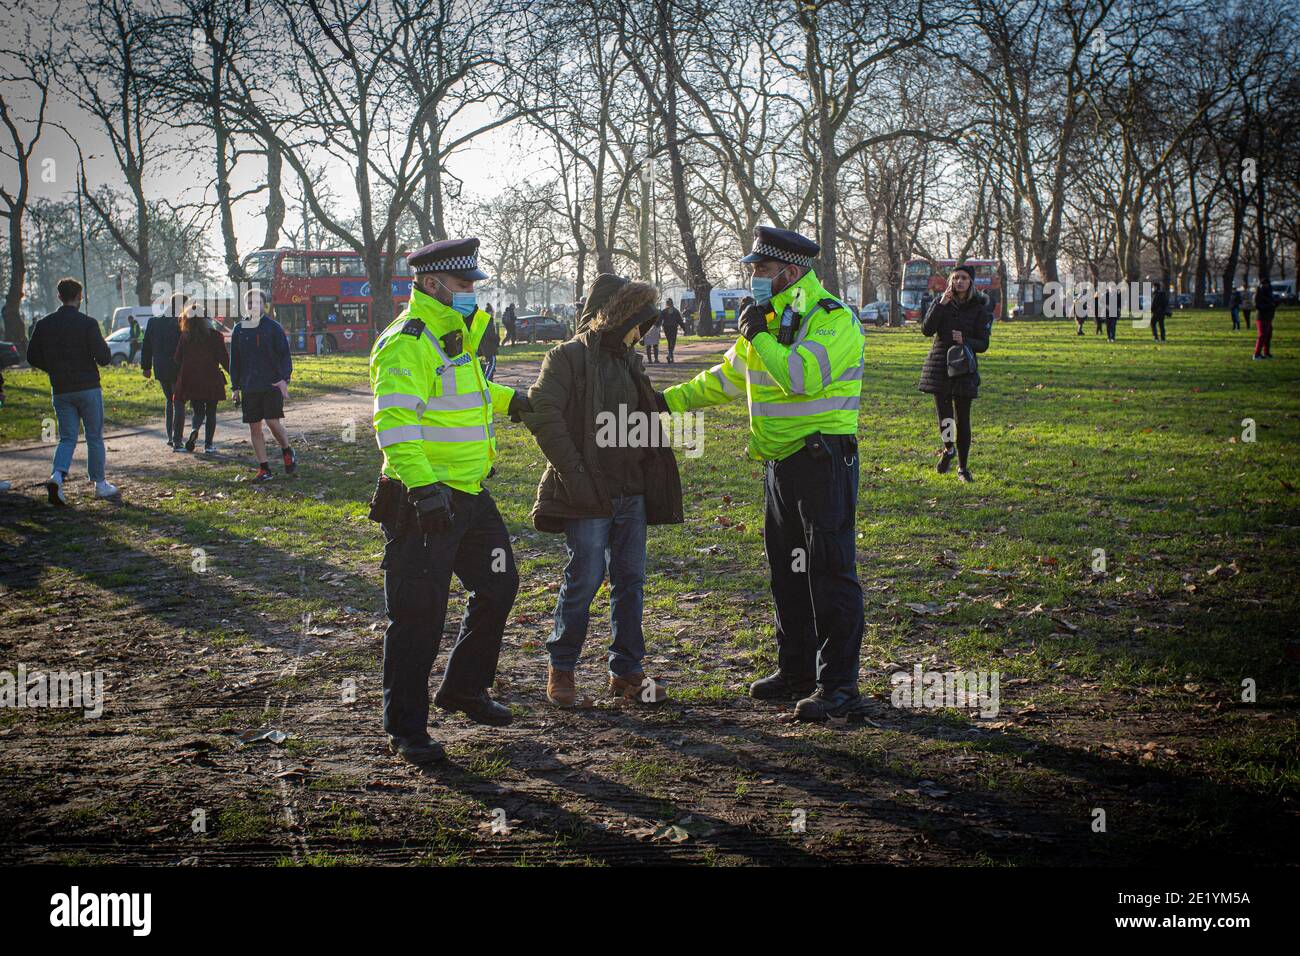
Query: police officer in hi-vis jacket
x=433, y=419
x=798, y=362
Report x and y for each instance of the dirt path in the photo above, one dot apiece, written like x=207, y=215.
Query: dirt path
x=133, y=451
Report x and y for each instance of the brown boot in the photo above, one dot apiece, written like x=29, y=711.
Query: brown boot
x=636, y=688
x=560, y=688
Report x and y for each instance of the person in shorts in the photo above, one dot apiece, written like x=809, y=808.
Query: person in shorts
x=260, y=367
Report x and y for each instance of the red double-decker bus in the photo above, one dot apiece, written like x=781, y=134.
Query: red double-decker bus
x=920, y=276
x=323, y=298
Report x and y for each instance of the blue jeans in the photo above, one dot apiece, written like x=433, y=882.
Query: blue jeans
x=73, y=410
x=594, y=546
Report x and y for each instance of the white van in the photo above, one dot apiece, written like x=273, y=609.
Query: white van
x=122, y=316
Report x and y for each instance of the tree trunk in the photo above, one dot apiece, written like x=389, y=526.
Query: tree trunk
x=275, y=205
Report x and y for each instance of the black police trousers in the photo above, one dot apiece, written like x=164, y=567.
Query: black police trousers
x=417, y=582
x=811, y=503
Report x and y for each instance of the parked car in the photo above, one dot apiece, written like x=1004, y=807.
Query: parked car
x=540, y=328
x=119, y=346
x=9, y=355
x=1213, y=300
x=874, y=313
x=1183, y=300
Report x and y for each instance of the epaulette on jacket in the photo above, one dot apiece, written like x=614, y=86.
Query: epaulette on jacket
x=413, y=327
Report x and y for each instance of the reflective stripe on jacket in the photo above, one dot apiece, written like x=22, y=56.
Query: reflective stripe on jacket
x=433, y=411
x=813, y=385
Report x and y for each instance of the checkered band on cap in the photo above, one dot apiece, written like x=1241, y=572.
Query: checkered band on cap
x=772, y=252
x=448, y=265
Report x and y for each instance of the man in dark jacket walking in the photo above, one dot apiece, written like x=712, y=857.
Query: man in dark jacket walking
x=68, y=346
x=1159, y=309
x=157, y=357
x=508, y=323
x=610, y=473
x=671, y=320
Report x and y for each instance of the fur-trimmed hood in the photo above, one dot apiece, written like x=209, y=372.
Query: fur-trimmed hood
x=635, y=303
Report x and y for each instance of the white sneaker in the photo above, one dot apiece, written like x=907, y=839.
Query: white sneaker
x=54, y=488
x=104, y=490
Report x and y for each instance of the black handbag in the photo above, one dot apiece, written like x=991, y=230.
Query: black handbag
x=961, y=361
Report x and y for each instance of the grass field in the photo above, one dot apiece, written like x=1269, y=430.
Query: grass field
x=1121, y=688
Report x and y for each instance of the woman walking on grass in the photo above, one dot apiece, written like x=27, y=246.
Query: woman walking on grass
x=960, y=317
x=201, y=354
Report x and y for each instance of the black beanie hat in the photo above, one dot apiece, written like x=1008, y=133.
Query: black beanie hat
x=969, y=270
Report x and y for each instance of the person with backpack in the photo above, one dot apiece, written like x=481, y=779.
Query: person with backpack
x=609, y=475
x=960, y=322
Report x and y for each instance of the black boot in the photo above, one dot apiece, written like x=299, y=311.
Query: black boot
x=779, y=686
x=419, y=752
x=192, y=440
x=479, y=707
x=828, y=703
x=945, y=460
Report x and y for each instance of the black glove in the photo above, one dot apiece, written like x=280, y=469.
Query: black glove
x=519, y=405
x=753, y=320
x=433, y=505
x=661, y=403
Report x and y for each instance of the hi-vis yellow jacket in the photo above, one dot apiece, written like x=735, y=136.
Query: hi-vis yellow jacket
x=814, y=385
x=433, y=411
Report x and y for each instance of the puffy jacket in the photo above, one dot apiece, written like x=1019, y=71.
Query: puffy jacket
x=259, y=357
x=974, y=321
x=566, y=400
x=68, y=346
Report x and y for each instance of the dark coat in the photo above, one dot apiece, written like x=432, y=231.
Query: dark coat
x=974, y=320
x=1160, y=303
x=671, y=320
x=1265, y=303
x=160, y=340
x=199, y=358
x=68, y=346
x=565, y=400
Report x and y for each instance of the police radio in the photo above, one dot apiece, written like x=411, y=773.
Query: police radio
x=790, y=320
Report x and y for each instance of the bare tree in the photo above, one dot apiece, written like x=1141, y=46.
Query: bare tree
x=25, y=82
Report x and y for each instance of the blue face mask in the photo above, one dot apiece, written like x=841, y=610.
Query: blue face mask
x=464, y=302
x=760, y=287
